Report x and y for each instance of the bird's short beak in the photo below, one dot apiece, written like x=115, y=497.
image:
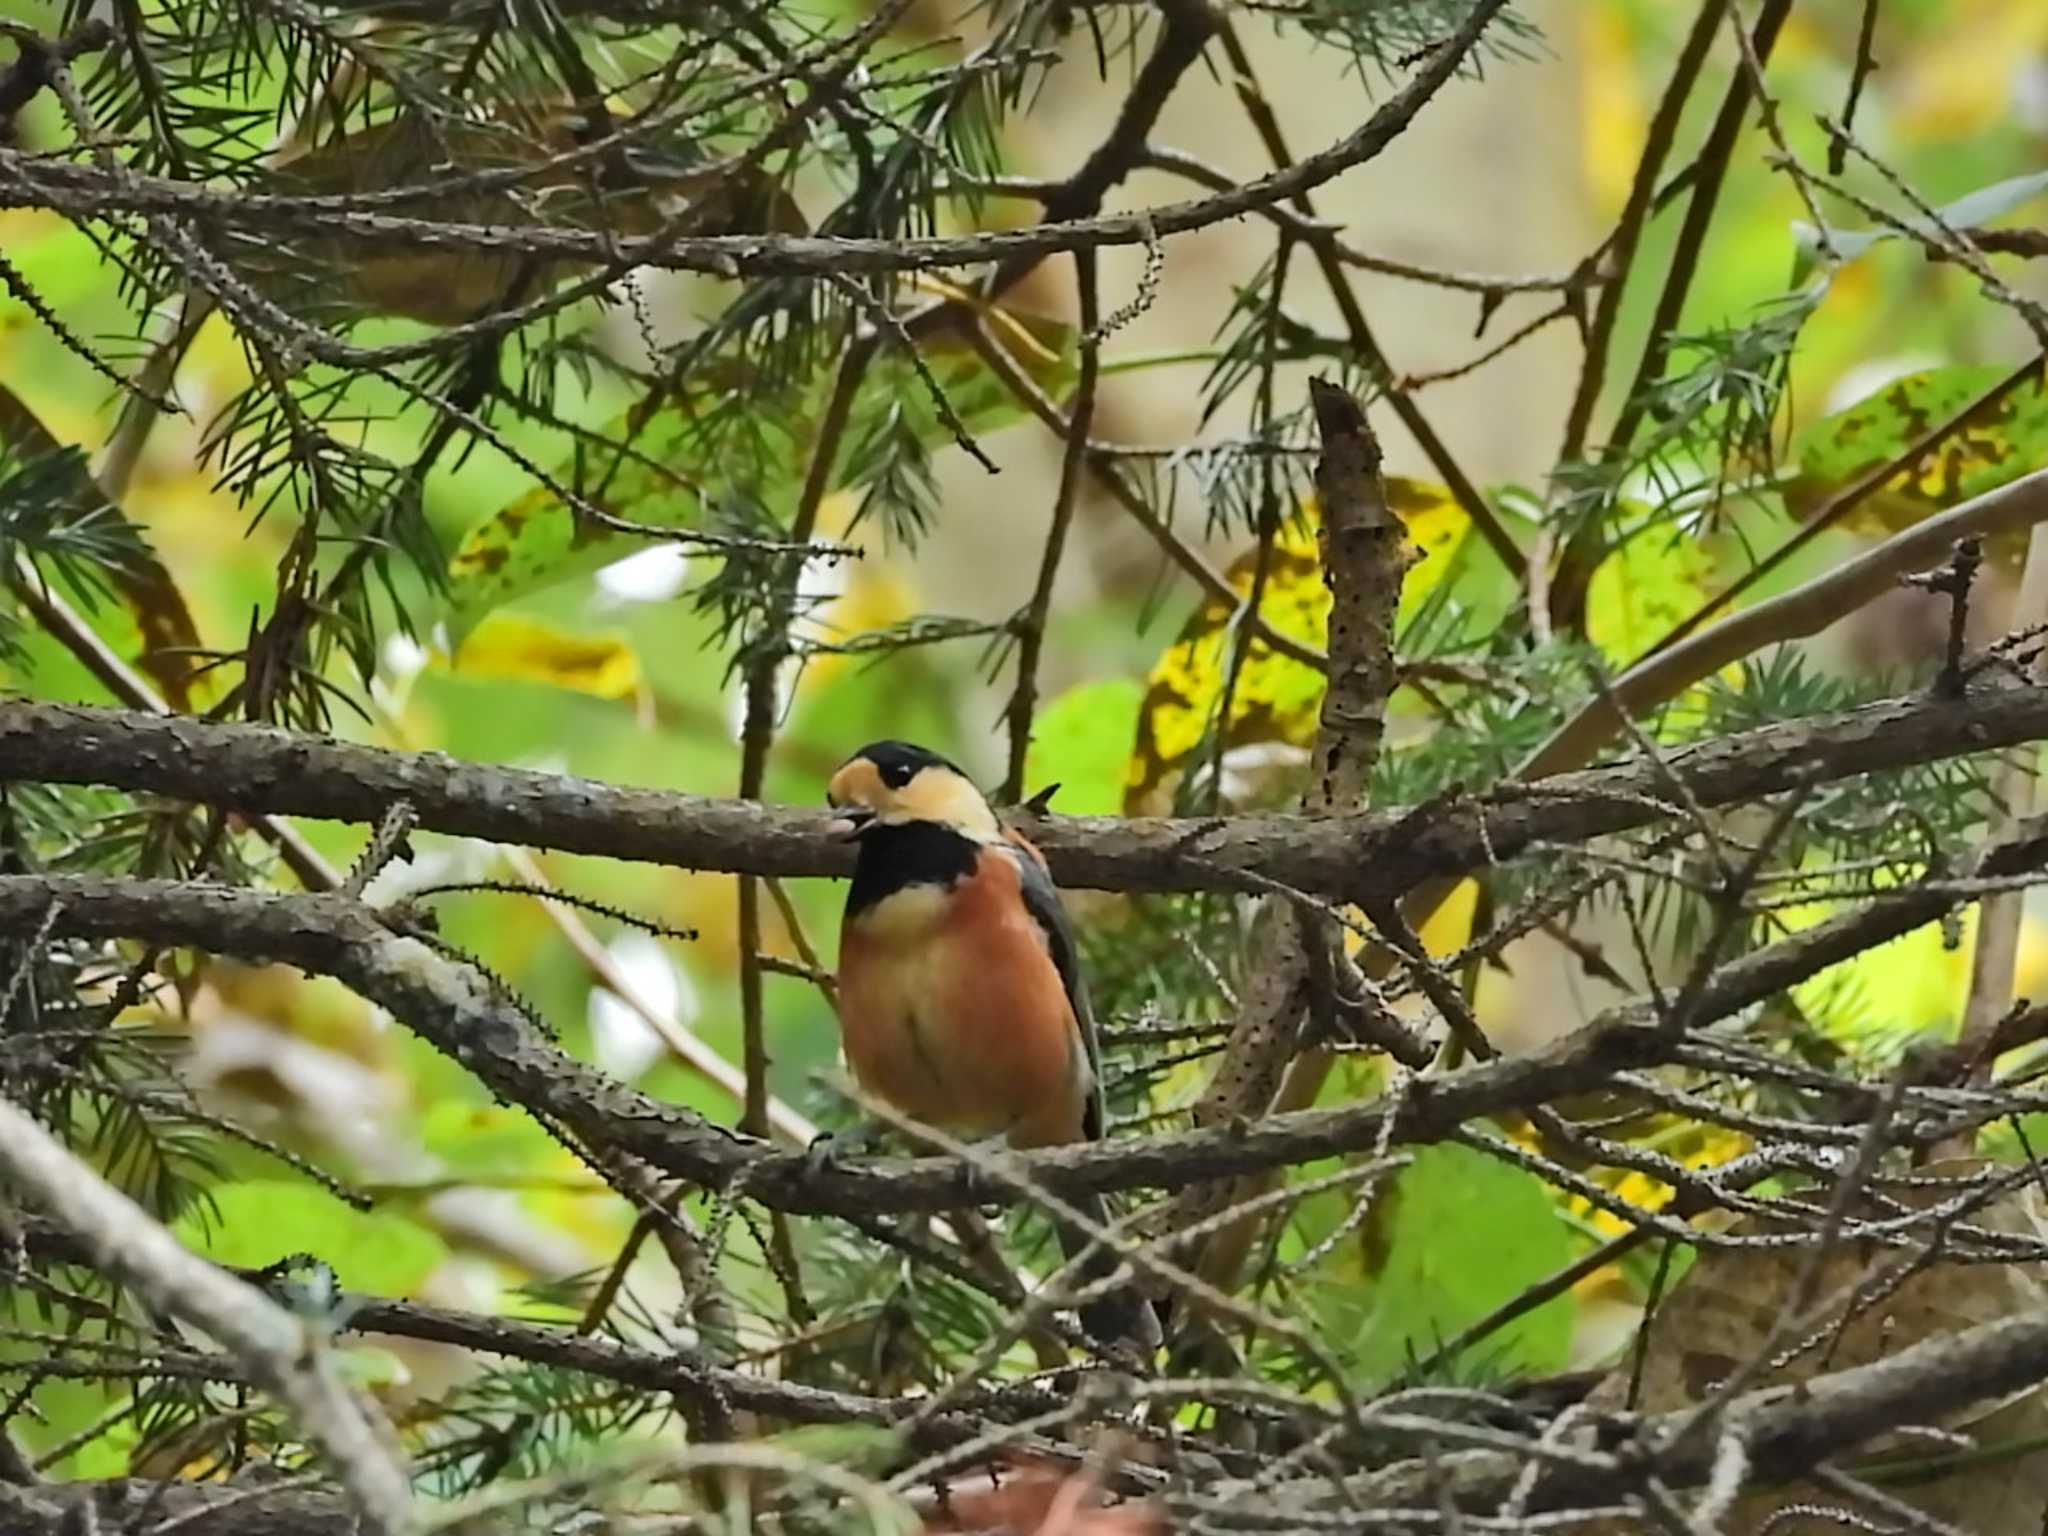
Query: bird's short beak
x=851, y=821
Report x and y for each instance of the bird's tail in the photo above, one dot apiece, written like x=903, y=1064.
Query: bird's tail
x=1123, y=1317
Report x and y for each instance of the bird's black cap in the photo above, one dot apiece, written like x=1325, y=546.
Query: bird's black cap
x=898, y=762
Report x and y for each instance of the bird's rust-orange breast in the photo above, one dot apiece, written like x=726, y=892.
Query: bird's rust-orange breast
x=954, y=1013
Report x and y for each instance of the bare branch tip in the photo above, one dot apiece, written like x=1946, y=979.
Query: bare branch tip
x=1338, y=413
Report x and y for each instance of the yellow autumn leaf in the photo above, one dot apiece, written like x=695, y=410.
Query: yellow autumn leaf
x=1449, y=928
x=1276, y=700
x=1994, y=445
x=1437, y=526
x=511, y=647
x=1691, y=1143
x=1642, y=589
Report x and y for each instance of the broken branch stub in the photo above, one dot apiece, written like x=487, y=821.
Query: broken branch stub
x=1365, y=555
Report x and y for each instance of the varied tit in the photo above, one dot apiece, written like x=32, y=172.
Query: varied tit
x=961, y=1001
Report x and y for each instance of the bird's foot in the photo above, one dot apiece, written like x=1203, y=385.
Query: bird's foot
x=829, y=1149
x=982, y=1188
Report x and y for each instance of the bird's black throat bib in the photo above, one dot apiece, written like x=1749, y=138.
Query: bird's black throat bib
x=900, y=855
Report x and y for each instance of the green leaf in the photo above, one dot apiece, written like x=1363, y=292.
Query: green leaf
x=1081, y=742
x=1451, y=1238
x=483, y=1142
x=262, y=1221
x=63, y=1410
x=1993, y=447
x=661, y=475
x=536, y=542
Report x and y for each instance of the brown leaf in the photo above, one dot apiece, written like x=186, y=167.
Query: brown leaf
x=1725, y=1311
x=625, y=193
x=144, y=584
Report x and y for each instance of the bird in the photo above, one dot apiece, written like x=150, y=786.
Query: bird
x=961, y=1000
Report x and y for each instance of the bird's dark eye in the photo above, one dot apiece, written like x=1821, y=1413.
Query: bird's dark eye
x=897, y=774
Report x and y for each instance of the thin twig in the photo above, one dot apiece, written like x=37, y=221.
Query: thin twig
x=1575, y=569
x=1463, y=491
x=1029, y=625
x=1620, y=250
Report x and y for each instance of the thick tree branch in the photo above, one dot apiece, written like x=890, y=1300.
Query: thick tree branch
x=1375, y=855
x=457, y=1010
x=198, y=1509
x=1787, y=1431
